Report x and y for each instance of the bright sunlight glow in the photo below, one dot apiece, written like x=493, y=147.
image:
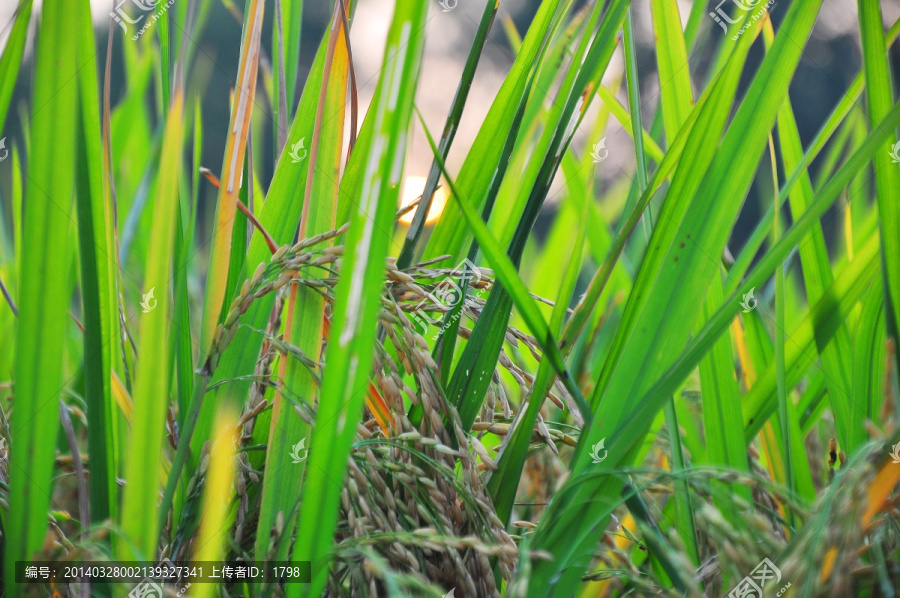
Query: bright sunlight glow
x=412, y=189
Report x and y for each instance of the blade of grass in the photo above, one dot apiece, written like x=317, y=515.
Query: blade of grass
x=784, y=407
x=184, y=349
x=240, y=227
x=658, y=547
x=349, y=354
x=45, y=267
x=675, y=91
x=120, y=356
x=503, y=483
x=684, y=517
x=445, y=347
x=721, y=408
x=508, y=276
x=279, y=216
x=817, y=276
x=213, y=538
x=233, y=367
x=471, y=378
x=869, y=358
x=279, y=100
x=609, y=100
x=722, y=421
x=98, y=272
x=476, y=175
x=414, y=233
x=590, y=58
x=139, y=504
x=836, y=119
x=165, y=55
x=879, y=95
x=824, y=318
x=718, y=93
x=11, y=60
x=238, y=131
x=844, y=293
x=662, y=309
x=306, y=310
x=286, y=31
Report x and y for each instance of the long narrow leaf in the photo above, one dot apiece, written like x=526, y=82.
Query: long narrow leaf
x=349, y=355
x=45, y=264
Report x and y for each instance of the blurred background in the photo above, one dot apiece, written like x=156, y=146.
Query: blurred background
x=830, y=62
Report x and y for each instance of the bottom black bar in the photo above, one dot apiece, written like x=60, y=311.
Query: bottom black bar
x=63, y=572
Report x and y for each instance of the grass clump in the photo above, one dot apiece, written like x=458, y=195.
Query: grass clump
x=651, y=397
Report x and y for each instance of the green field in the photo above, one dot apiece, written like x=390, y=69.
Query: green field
x=649, y=346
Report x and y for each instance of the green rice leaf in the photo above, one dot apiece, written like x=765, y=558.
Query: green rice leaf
x=349, y=355
x=151, y=392
x=45, y=267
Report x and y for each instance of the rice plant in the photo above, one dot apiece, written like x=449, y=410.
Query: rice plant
x=569, y=367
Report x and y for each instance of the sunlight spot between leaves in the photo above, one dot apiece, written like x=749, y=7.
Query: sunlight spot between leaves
x=413, y=186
